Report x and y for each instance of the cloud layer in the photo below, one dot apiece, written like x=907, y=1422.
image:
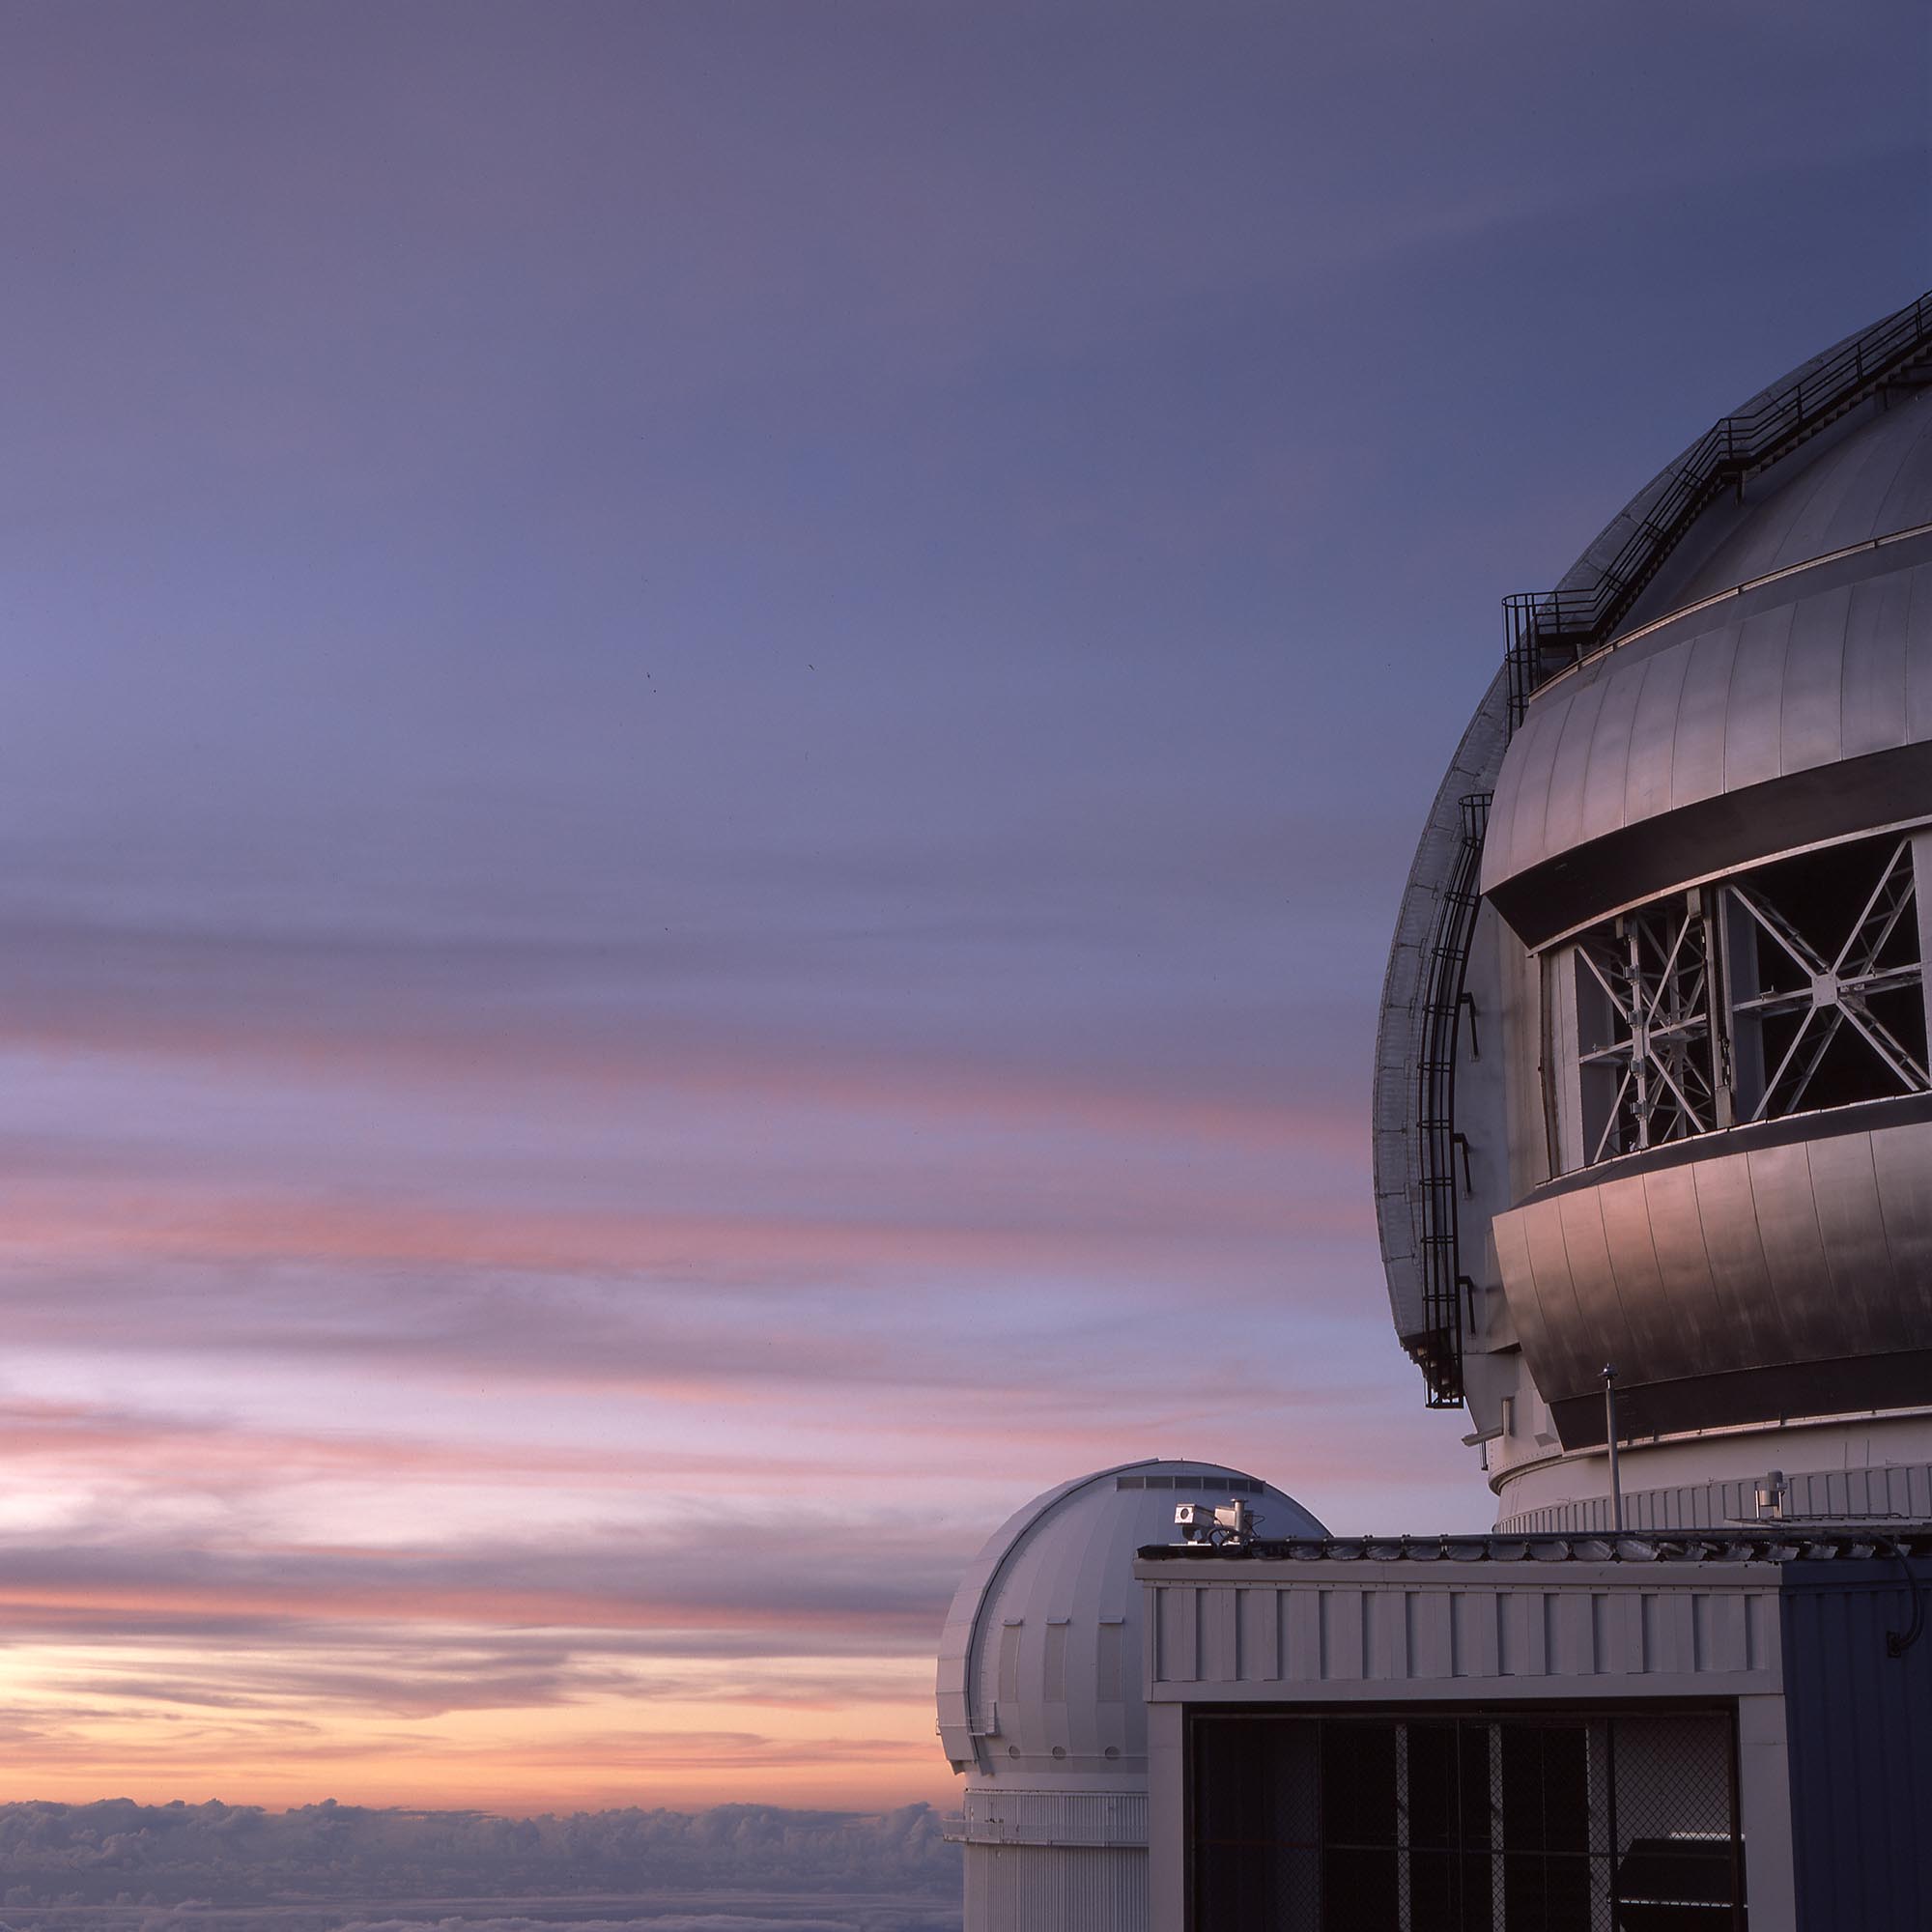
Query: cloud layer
x=305, y=1866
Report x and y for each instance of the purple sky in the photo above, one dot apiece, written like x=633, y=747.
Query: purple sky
x=714, y=713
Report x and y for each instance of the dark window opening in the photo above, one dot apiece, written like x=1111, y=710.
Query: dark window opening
x=1609, y=1820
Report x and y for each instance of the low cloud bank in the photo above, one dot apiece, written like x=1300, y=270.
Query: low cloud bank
x=680, y=1921
x=119, y=1853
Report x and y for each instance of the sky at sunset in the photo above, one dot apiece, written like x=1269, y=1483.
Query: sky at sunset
x=712, y=717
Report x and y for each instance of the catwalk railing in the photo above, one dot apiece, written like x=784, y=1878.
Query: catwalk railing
x=1547, y=631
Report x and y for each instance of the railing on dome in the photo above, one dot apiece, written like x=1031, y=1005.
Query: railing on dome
x=1547, y=631
x=1437, y=1349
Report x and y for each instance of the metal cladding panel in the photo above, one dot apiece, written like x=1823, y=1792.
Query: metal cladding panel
x=1917, y=604
x=1697, y=744
x=1512, y=1246
x=1532, y=751
x=1781, y=674
x=1753, y=718
x=1774, y=1281
x=1736, y=1294
x=1365, y=1628
x=1586, y=1252
x=1858, y=1731
x=1557, y=1310
x=1676, y=1239
x=1905, y=1201
x=1606, y=774
x=1563, y=815
x=1806, y=1319
x=1040, y=1669
x=1632, y=1256
x=1844, y=1192
x=1789, y=678
x=1872, y=706
x=1653, y=736
x=1900, y=1489
x=1811, y=728
x=1033, y=1889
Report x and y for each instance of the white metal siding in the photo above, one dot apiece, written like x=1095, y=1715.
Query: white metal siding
x=1519, y=1627
x=1025, y=1889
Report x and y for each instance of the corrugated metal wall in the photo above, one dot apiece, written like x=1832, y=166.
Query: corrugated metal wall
x=1686, y=1628
x=1859, y=1730
x=1904, y=1489
x=1032, y=1889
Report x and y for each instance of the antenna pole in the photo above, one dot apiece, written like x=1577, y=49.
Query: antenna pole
x=1610, y=1435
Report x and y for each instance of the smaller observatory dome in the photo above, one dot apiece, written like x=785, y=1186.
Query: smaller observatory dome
x=1039, y=1693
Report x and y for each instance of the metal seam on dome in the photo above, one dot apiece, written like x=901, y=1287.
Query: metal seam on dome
x=1612, y=645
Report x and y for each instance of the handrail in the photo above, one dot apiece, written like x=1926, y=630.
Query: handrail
x=1437, y=1349
x=1547, y=631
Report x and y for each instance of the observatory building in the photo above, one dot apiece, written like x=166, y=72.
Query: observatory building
x=1653, y=1167
x=1040, y=1696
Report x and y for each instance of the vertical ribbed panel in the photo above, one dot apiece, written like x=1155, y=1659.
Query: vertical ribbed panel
x=1031, y=1889
x=1902, y=1489
x=1859, y=1729
x=1485, y=1622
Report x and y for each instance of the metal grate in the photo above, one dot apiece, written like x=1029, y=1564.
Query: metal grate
x=1604, y=1820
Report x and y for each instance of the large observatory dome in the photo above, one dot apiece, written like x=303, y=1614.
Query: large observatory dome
x=1041, y=1699
x=1653, y=1085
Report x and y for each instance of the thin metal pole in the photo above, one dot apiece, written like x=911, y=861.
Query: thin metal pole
x=1610, y=1434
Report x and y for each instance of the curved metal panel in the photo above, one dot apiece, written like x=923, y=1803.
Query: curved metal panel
x=1826, y=806
x=1634, y=1265
x=1734, y=1300
x=1825, y=654
x=1811, y=721
x=1593, y=1280
x=1563, y=817
x=1780, y=1280
x=1697, y=745
x=1512, y=1240
x=1606, y=776
x=1753, y=713
x=1844, y=1192
x=1905, y=1206
x=1653, y=737
x=1806, y=1320
x=1918, y=609
x=1872, y=699
x=1771, y=699
x=1534, y=749
x=1677, y=1241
